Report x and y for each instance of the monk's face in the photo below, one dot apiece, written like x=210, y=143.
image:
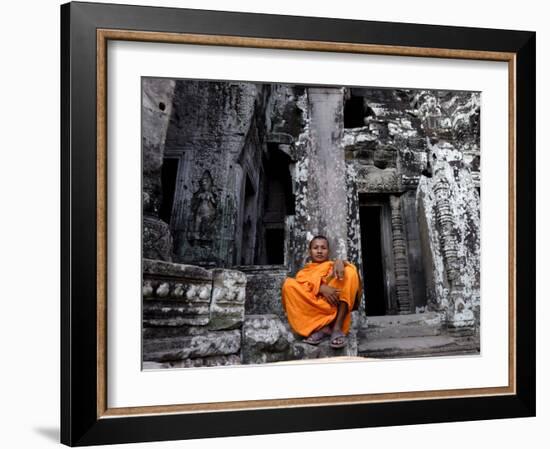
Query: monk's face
x=318, y=250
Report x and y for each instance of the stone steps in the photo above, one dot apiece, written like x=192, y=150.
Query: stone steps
x=303, y=351
x=401, y=326
x=417, y=347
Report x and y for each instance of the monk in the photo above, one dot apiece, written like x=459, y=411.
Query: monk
x=319, y=301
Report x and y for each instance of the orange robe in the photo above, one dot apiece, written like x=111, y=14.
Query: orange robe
x=306, y=310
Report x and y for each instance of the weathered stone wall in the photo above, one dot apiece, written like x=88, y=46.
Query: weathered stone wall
x=209, y=128
x=157, y=95
x=451, y=237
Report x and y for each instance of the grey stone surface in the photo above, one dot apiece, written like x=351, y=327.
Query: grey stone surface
x=201, y=362
x=401, y=326
x=266, y=339
x=171, y=313
x=157, y=239
x=228, y=298
x=450, y=232
x=326, y=193
x=191, y=347
x=302, y=351
x=211, y=132
x=159, y=332
x=175, y=294
x=176, y=270
x=263, y=289
x=156, y=111
x=419, y=347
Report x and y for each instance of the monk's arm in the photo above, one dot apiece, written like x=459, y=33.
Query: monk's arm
x=330, y=294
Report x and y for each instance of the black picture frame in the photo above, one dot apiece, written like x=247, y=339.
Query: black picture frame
x=83, y=421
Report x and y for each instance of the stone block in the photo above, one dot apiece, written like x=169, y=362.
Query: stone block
x=266, y=339
x=175, y=270
x=439, y=345
x=303, y=351
x=402, y=326
x=175, y=294
x=263, y=289
x=158, y=312
x=157, y=240
x=219, y=360
x=190, y=347
x=228, y=299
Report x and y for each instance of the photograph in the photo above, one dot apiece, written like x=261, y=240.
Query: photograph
x=276, y=224
x=290, y=222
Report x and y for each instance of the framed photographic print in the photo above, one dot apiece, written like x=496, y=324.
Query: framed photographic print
x=256, y=205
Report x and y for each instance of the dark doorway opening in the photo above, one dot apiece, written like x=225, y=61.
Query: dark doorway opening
x=354, y=112
x=275, y=242
x=168, y=175
x=278, y=203
x=373, y=271
x=249, y=228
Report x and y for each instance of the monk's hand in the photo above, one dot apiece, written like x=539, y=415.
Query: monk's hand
x=339, y=269
x=330, y=294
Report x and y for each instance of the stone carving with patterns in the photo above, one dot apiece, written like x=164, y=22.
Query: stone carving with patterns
x=400, y=257
x=157, y=240
x=451, y=204
x=205, y=345
x=373, y=179
x=228, y=298
x=176, y=295
x=430, y=113
x=192, y=313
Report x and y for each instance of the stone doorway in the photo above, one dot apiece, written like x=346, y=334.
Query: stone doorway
x=377, y=260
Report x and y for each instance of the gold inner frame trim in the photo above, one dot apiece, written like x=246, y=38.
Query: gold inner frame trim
x=103, y=36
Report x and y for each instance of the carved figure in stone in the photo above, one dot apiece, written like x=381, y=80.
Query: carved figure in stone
x=319, y=301
x=430, y=112
x=203, y=207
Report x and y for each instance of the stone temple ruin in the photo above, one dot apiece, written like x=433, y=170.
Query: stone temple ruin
x=238, y=176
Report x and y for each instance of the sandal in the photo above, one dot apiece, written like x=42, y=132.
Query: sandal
x=316, y=337
x=338, y=340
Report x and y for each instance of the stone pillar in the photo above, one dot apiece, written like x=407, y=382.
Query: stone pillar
x=451, y=231
x=156, y=110
x=400, y=257
x=327, y=202
x=460, y=316
x=445, y=220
